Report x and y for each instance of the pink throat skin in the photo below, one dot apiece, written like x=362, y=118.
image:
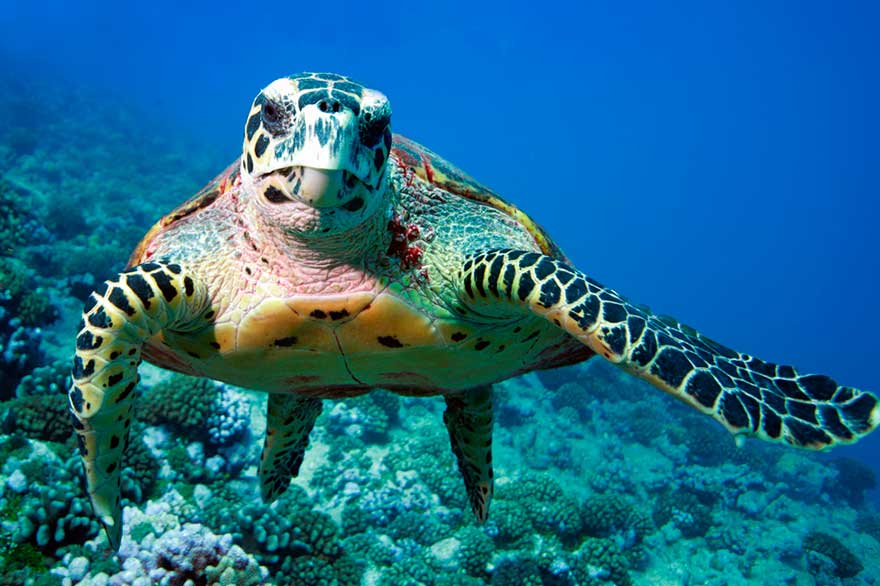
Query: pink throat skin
x=303, y=248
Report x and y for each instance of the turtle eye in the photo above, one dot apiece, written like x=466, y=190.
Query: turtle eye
x=271, y=113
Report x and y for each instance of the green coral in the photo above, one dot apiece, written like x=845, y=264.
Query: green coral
x=509, y=523
x=571, y=395
x=17, y=225
x=428, y=454
x=349, y=571
x=16, y=557
x=598, y=562
x=421, y=528
x=50, y=379
x=517, y=571
x=140, y=471
x=41, y=409
x=606, y=514
x=389, y=403
x=311, y=571
x=181, y=402
x=413, y=568
x=369, y=546
x=21, y=296
x=475, y=550
x=846, y=564
x=53, y=511
x=42, y=417
x=319, y=532
x=615, y=516
x=278, y=534
x=642, y=422
x=367, y=414
x=550, y=511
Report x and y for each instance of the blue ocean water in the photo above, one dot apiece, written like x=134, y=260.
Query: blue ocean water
x=718, y=163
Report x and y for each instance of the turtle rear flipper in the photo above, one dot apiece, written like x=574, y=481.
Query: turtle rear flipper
x=117, y=320
x=289, y=420
x=468, y=419
x=747, y=395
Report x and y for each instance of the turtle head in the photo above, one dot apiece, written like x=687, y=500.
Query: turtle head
x=318, y=143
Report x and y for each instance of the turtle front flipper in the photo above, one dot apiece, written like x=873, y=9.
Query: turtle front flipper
x=468, y=417
x=747, y=395
x=289, y=420
x=117, y=320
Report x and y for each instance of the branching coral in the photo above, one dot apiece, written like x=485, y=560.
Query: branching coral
x=51, y=379
x=517, y=571
x=42, y=417
x=509, y=524
x=183, y=403
x=24, y=308
x=614, y=516
x=548, y=509
x=475, y=550
x=50, y=508
x=20, y=294
x=367, y=416
x=140, y=468
x=598, y=561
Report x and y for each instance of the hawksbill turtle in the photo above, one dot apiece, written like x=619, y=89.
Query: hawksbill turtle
x=334, y=257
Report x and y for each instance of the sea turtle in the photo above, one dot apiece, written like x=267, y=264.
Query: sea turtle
x=333, y=258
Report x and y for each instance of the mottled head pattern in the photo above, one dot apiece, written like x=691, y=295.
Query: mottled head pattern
x=321, y=141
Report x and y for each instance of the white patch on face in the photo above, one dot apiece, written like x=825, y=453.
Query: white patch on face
x=280, y=87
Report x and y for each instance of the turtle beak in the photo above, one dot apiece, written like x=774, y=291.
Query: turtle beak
x=320, y=188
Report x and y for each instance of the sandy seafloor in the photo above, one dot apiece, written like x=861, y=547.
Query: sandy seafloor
x=600, y=479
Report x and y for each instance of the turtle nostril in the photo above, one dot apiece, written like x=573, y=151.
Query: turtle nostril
x=330, y=106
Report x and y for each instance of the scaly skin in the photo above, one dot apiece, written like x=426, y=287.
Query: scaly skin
x=334, y=259
x=348, y=299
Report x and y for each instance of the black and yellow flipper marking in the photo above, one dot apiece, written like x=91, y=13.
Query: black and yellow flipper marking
x=468, y=417
x=746, y=394
x=117, y=319
x=289, y=420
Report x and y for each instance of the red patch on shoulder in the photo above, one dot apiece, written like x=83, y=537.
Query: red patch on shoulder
x=401, y=247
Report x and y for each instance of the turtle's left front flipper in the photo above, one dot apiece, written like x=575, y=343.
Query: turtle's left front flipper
x=746, y=394
x=117, y=320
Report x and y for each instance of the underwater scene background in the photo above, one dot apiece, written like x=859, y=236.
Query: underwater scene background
x=718, y=163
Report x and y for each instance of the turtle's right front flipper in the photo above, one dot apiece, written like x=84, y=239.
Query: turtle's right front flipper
x=117, y=320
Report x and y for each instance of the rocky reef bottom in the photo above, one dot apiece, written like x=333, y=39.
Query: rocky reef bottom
x=600, y=480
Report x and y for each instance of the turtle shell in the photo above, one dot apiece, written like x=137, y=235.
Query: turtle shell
x=222, y=183
x=432, y=168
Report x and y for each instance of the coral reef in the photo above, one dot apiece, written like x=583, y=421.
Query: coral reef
x=846, y=564
x=599, y=562
x=43, y=503
x=685, y=511
x=24, y=308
